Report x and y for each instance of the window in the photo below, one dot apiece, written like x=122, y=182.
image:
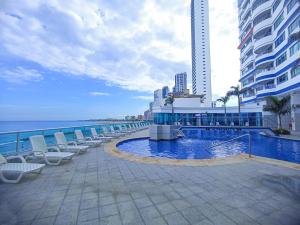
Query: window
x=276, y=4
x=279, y=40
x=257, y=3
x=294, y=25
x=295, y=71
x=278, y=21
x=282, y=78
x=295, y=48
x=291, y=5
x=261, y=17
x=281, y=59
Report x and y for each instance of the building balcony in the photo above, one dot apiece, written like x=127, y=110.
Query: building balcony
x=295, y=34
x=246, y=48
x=263, y=72
x=263, y=56
x=261, y=42
x=247, y=62
x=264, y=22
x=266, y=5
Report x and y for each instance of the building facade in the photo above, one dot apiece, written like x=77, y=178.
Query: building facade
x=189, y=111
x=158, y=97
x=201, y=68
x=165, y=91
x=180, y=83
x=270, y=52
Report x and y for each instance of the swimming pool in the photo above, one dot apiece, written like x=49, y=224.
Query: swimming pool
x=199, y=143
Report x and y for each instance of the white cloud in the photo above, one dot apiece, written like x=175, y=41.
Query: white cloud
x=144, y=97
x=139, y=45
x=96, y=93
x=20, y=75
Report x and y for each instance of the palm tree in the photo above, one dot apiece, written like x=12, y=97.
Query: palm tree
x=224, y=100
x=237, y=91
x=169, y=101
x=279, y=107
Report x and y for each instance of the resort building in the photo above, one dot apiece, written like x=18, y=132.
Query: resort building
x=270, y=54
x=180, y=83
x=201, y=68
x=188, y=110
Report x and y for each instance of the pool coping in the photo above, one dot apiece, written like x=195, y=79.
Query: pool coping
x=111, y=148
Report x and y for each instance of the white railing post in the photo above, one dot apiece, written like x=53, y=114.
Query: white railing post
x=17, y=143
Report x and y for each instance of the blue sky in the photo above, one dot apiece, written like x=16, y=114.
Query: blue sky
x=97, y=59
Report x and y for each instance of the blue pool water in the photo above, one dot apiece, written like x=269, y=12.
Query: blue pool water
x=198, y=144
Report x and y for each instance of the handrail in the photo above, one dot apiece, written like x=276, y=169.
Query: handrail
x=58, y=128
x=236, y=138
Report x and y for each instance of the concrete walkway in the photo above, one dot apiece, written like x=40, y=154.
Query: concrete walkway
x=98, y=188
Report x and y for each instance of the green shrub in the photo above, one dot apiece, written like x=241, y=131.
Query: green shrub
x=281, y=132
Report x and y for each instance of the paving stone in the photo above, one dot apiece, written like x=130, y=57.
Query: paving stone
x=106, y=200
x=89, y=203
x=108, y=210
x=88, y=214
x=156, y=221
x=44, y=221
x=221, y=219
x=176, y=219
x=181, y=204
x=193, y=215
x=124, y=192
x=166, y=208
x=111, y=220
x=143, y=202
x=149, y=213
x=158, y=199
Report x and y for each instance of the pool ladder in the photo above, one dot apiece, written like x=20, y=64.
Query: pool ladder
x=239, y=137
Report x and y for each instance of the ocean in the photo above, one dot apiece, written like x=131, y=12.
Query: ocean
x=6, y=126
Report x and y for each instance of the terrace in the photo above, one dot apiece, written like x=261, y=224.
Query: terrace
x=100, y=188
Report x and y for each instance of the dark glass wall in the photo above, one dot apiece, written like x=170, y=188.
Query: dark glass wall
x=209, y=119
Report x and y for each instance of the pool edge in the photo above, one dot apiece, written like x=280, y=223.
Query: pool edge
x=112, y=149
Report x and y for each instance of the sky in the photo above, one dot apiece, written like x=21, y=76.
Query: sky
x=104, y=58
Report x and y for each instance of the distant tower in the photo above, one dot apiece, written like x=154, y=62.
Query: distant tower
x=165, y=91
x=201, y=71
x=180, y=82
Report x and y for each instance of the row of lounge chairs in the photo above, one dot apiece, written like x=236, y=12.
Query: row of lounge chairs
x=55, y=155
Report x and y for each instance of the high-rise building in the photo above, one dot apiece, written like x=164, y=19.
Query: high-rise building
x=201, y=70
x=180, y=82
x=270, y=51
x=165, y=91
x=158, y=98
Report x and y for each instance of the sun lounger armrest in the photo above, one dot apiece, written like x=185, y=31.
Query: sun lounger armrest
x=72, y=143
x=53, y=149
x=16, y=157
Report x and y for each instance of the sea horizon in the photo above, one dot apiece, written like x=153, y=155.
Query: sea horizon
x=24, y=125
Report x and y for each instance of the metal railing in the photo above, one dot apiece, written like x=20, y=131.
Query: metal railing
x=236, y=138
x=17, y=142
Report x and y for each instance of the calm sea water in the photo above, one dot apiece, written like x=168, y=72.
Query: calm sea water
x=32, y=125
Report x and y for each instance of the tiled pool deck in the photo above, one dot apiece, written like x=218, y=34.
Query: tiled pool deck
x=98, y=188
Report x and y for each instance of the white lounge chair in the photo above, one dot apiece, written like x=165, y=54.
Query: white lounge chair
x=122, y=130
x=108, y=133
x=97, y=136
x=17, y=168
x=41, y=151
x=86, y=140
x=68, y=146
x=116, y=132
